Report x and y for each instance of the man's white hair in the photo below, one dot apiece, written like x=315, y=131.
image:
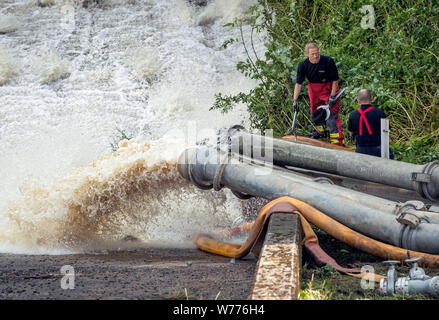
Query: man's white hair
x=310, y=46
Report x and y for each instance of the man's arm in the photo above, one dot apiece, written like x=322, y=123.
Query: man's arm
x=300, y=77
x=351, y=126
x=297, y=89
x=333, y=76
x=334, y=88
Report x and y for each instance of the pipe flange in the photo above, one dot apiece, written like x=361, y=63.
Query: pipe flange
x=401, y=236
x=402, y=285
x=383, y=286
x=217, y=186
x=409, y=240
x=428, y=170
x=409, y=221
x=405, y=239
x=199, y=184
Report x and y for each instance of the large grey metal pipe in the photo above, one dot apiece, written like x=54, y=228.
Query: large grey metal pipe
x=423, y=179
x=369, y=215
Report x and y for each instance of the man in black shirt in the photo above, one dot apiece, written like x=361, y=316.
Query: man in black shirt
x=322, y=75
x=365, y=125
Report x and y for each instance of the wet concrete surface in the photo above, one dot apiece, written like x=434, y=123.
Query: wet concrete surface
x=149, y=273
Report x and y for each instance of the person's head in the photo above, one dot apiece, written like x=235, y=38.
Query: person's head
x=364, y=97
x=312, y=52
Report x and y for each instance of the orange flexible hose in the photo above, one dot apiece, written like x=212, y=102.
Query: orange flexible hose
x=207, y=243
x=308, y=215
x=316, y=142
x=357, y=240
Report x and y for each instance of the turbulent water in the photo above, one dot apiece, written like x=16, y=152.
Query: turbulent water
x=75, y=81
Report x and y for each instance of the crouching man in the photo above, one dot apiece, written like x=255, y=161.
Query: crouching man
x=365, y=125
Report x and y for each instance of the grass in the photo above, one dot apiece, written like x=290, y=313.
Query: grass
x=312, y=293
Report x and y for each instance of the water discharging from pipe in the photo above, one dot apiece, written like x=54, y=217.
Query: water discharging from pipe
x=147, y=68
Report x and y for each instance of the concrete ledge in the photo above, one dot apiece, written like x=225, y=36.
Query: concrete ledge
x=277, y=275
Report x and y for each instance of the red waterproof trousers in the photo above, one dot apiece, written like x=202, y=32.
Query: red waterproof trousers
x=319, y=94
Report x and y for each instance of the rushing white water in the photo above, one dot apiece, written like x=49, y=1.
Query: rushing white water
x=8, y=23
x=147, y=68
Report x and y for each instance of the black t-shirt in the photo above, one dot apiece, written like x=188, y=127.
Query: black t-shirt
x=323, y=71
x=374, y=119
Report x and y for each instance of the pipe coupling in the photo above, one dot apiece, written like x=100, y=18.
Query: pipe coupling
x=427, y=181
x=406, y=213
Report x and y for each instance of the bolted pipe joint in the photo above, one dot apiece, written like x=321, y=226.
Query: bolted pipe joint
x=430, y=187
x=188, y=168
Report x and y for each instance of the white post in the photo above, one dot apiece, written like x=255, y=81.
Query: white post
x=385, y=138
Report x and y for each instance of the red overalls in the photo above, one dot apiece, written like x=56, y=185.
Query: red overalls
x=319, y=94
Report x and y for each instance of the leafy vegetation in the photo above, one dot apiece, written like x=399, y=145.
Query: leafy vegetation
x=394, y=56
x=310, y=293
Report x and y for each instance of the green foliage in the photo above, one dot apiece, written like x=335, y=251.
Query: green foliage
x=397, y=61
x=311, y=292
x=417, y=150
x=327, y=272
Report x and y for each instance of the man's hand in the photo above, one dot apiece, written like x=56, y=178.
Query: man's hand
x=331, y=101
x=295, y=106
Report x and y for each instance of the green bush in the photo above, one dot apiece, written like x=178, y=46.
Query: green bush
x=397, y=61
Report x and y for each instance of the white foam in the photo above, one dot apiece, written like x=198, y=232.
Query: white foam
x=9, y=67
x=100, y=74
x=8, y=23
x=144, y=62
x=224, y=10
x=50, y=67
